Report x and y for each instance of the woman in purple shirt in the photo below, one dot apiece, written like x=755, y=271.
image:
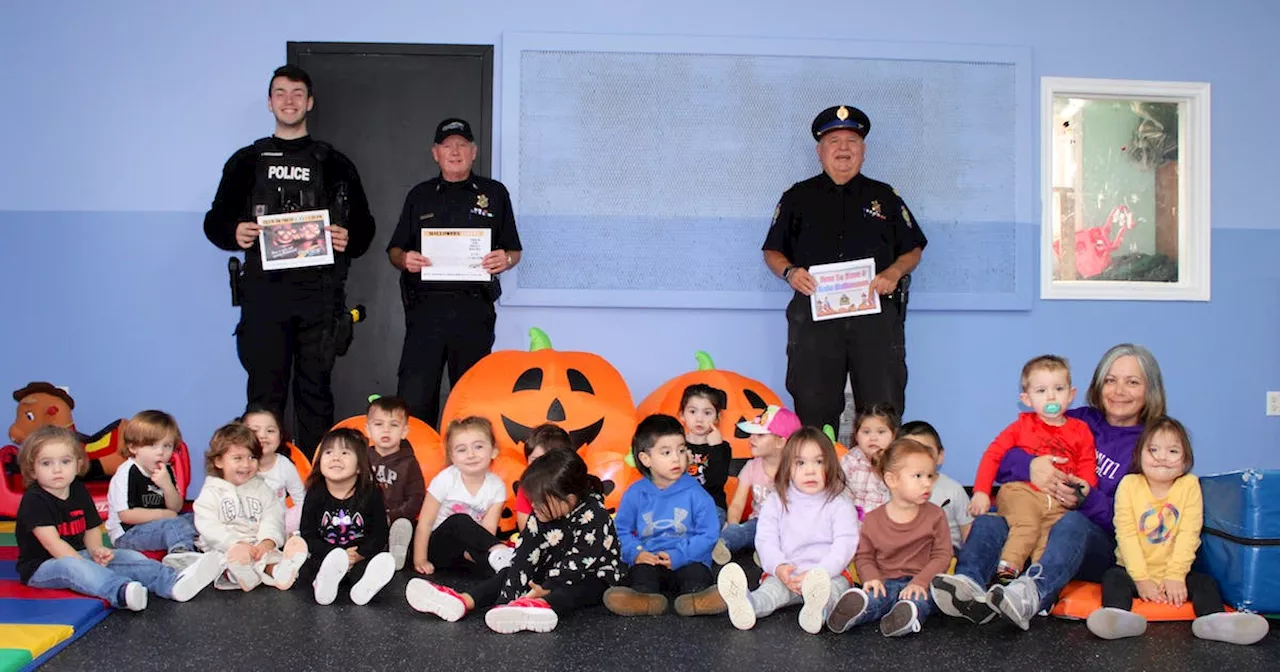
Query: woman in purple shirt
x=1126, y=390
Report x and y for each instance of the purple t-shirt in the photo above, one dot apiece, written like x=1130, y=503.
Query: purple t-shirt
x=1115, y=453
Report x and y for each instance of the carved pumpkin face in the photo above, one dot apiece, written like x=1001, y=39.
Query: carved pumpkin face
x=427, y=445
x=517, y=391
x=612, y=469
x=746, y=399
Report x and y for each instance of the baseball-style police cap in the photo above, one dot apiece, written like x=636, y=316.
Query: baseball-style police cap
x=453, y=126
x=841, y=116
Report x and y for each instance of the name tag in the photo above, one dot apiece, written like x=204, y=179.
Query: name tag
x=429, y=215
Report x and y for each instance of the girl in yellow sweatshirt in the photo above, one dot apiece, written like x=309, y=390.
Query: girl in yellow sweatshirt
x=1158, y=516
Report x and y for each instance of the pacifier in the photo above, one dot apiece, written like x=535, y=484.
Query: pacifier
x=1052, y=408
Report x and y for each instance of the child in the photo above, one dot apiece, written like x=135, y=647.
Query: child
x=543, y=439
x=873, y=429
x=904, y=544
x=59, y=534
x=667, y=526
x=769, y=431
x=459, y=516
x=709, y=455
x=143, y=501
x=808, y=534
x=1046, y=388
x=948, y=494
x=564, y=561
x=239, y=515
x=280, y=475
x=396, y=470
x=344, y=521
x=1158, y=517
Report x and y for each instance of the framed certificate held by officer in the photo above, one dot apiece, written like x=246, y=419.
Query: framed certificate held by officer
x=844, y=290
x=456, y=254
x=295, y=240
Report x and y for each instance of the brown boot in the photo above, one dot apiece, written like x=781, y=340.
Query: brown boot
x=706, y=602
x=624, y=601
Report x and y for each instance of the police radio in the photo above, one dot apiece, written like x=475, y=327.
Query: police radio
x=346, y=328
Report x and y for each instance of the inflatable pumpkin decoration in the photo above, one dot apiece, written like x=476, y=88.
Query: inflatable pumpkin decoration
x=517, y=391
x=745, y=397
x=615, y=471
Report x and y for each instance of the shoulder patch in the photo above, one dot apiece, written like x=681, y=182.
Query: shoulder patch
x=777, y=210
x=906, y=216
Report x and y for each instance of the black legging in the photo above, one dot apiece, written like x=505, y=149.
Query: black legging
x=691, y=578
x=563, y=599
x=460, y=534
x=1119, y=591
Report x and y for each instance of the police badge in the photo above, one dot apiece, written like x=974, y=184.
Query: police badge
x=482, y=201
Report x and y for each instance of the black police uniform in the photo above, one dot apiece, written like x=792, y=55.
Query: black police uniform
x=288, y=318
x=819, y=222
x=448, y=321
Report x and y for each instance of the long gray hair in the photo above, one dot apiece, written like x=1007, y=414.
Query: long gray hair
x=1154, y=405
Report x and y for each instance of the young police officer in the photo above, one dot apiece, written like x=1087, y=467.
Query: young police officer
x=288, y=318
x=447, y=321
x=842, y=215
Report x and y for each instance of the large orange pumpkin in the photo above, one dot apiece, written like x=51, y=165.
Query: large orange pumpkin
x=510, y=469
x=613, y=469
x=427, y=445
x=746, y=398
x=518, y=391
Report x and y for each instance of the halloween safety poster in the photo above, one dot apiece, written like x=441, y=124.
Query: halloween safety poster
x=295, y=240
x=455, y=254
x=844, y=290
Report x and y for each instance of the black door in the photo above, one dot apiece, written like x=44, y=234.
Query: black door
x=379, y=104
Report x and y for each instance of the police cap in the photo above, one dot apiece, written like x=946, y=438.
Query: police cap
x=841, y=116
x=453, y=126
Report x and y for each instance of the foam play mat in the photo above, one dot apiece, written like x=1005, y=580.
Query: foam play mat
x=36, y=624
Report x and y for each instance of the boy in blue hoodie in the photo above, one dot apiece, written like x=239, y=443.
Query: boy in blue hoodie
x=667, y=525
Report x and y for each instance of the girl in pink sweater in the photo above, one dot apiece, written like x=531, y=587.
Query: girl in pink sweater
x=807, y=534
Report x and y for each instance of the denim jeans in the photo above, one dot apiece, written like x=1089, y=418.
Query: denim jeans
x=740, y=536
x=83, y=575
x=1077, y=549
x=880, y=606
x=160, y=535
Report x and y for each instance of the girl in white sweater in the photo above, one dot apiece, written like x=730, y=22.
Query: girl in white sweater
x=239, y=515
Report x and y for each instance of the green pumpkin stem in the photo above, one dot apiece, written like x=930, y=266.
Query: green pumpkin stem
x=538, y=340
x=831, y=433
x=704, y=361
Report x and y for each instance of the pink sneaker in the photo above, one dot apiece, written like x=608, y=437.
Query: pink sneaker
x=534, y=615
x=430, y=598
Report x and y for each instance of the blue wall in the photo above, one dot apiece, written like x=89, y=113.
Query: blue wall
x=116, y=122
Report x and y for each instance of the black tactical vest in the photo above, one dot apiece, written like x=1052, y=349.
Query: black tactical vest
x=288, y=181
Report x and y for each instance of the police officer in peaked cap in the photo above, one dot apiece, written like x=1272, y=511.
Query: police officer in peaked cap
x=289, y=318
x=843, y=215
x=449, y=322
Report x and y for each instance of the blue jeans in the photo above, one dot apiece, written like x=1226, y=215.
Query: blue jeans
x=87, y=577
x=878, y=607
x=740, y=536
x=1077, y=549
x=160, y=535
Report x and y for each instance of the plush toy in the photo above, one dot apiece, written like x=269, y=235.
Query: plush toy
x=518, y=391
x=745, y=399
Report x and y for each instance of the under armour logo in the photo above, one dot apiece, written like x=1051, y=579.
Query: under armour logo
x=676, y=524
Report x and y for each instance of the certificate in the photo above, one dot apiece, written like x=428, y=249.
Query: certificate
x=844, y=290
x=456, y=254
x=295, y=240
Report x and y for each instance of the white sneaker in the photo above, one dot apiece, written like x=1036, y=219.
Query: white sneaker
x=500, y=558
x=135, y=596
x=720, y=554
x=429, y=598
x=295, y=555
x=398, y=540
x=1019, y=601
x=1112, y=623
x=732, y=584
x=332, y=569
x=903, y=619
x=534, y=615
x=1236, y=628
x=816, y=589
x=377, y=574
x=180, y=561
x=196, y=577
x=851, y=605
x=961, y=597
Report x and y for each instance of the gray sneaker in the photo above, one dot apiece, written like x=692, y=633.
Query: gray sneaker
x=1019, y=601
x=959, y=596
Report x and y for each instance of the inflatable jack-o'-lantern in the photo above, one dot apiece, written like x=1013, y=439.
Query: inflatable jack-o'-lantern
x=831, y=434
x=427, y=445
x=510, y=469
x=615, y=472
x=517, y=391
x=745, y=397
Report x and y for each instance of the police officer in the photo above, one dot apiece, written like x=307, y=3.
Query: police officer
x=446, y=321
x=842, y=215
x=288, y=318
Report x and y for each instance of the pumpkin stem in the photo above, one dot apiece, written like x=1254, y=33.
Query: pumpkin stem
x=704, y=361
x=538, y=340
x=831, y=433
